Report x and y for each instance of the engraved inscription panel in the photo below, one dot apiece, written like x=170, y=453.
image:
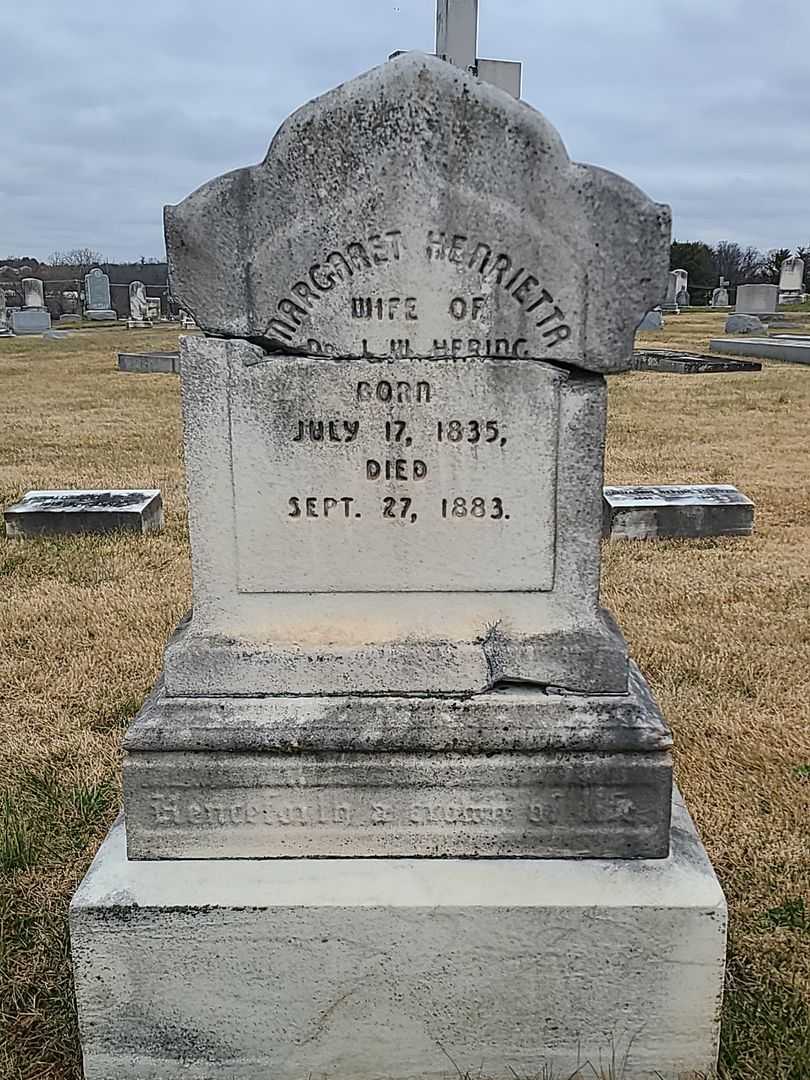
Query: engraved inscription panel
x=351, y=476
x=429, y=292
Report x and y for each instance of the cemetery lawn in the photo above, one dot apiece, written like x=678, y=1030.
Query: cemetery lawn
x=721, y=628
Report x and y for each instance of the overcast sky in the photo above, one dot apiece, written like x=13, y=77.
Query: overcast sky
x=113, y=109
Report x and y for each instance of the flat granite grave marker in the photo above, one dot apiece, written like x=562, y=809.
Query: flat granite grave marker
x=680, y=363
x=676, y=511
x=790, y=350
x=397, y=668
x=152, y=363
x=66, y=513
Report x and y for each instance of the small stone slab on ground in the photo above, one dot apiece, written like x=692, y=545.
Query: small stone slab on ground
x=678, y=363
x=66, y=513
x=154, y=363
x=791, y=350
x=682, y=511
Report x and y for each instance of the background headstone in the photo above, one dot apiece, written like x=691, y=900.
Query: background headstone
x=745, y=324
x=653, y=320
x=720, y=297
x=98, y=304
x=757, y=299
x=5, y=329
x=676, y=283
x=138, y=305
x=33, y=293
x=791, y=280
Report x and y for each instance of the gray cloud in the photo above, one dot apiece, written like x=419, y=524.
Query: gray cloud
x=119, y=109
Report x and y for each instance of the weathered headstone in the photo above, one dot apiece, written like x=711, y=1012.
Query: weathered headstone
x=791, y=280
x=394, y=436
x=745, y=324
x=138, y=306
x=653, y=320
x=34, y=317
x=153, y=308
x=683, y=299
x=97, y=302
x=720, y=297
x=677, y=283
x=66, y=513
x=5, y=329
x=757, y=299
x=677, y=512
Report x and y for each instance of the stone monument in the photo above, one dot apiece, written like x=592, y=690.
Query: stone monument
x=5, y=329
x=97, y=302
x=757, y=299
x=34, y=317
x=791, y=281
x=138, y=307
x=397, y=669
x=720, y=297
x=676, y=285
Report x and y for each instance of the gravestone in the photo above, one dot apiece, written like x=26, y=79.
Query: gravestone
x=653, y=320
x=791, y=280
x=757, y=299
x=67, y=513
x=745, y=324
x=397, y=661
x=720, y=297
x=671, y=362
x=676, y=512
x=153, y=308
x=152, y=363
x=683, y=299
x=676, y=284
x=97, y=302
x=5, y=329
x=138, y=306
x=34, y=317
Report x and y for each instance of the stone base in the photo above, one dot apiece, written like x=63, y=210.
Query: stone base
x=31, y=321
x=403, y=969
x=101, y=316
x=512, y=773
x=795, y=351
x=139, y=324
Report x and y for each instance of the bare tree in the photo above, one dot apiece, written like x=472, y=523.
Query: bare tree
x=772, y=265
x=738, y=265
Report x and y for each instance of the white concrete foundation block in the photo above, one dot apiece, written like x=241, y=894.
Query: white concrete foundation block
x=399, y=968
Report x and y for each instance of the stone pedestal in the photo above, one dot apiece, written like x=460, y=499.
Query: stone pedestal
x=30, y=321
x=401, y=806
x=358, y=969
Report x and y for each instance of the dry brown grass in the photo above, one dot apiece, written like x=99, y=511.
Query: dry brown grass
x=720, y=627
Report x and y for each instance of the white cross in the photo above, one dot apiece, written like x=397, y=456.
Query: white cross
x=457, y=42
